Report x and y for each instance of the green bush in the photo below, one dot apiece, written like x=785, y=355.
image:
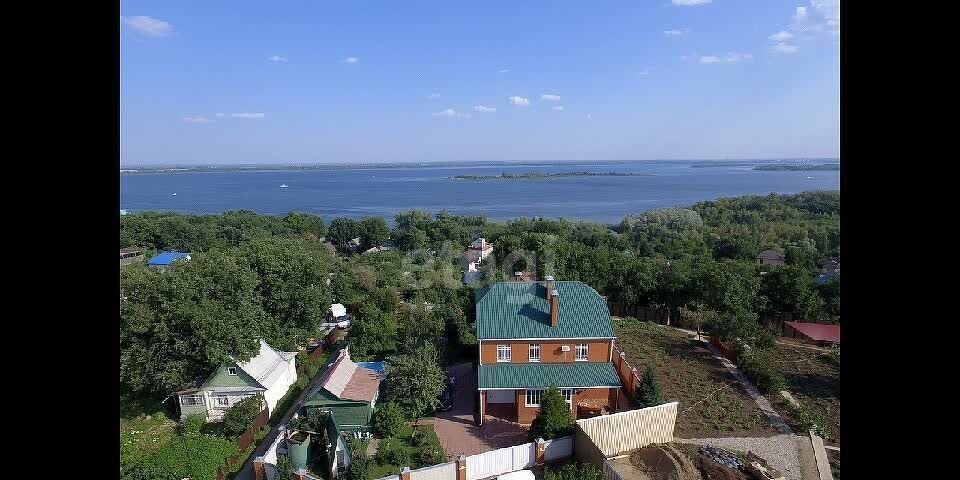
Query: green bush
x=191, y=425
x=429, y=451
x=392, y=451
x=285, y=470
x=573, y=471
x=197, y=458
x=809, y=419
x=554, y=419
x=241, y=416
x=359, y=461
x=650, y=394
x=387, y=420
x=761, y=370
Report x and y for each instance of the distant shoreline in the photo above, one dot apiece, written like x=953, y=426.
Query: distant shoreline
x=798, y=168
x=180, y=168
x=541, y=176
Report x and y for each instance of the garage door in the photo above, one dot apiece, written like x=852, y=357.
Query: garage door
x=501, y=396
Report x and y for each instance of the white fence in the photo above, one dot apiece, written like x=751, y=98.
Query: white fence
x=558, y=448
x=625, y=431
x=496, y=462
x=443, y=471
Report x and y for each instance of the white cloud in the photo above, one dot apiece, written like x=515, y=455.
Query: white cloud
x=433, y=96
x=676, y=32
x=520, y=101
x=589, y=116
x=550, y=98
x=277, y=58
x=150, y=27
x=732, y=57
x=558, y=108
x=690, y=3
x=801, y=15
x=219, y=114
x=197, y=119
x=829, y=10
x=482, y=108
x=351, y=60
x=781, y=36
x=784, y=48
x=247, y=115
x=451, y=113
x=505, y=70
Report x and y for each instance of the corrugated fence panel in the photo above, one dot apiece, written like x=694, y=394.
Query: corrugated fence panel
x=625, y=431
x=558, y=448
x=504, y=460
x=443, y=471
x=610, y=473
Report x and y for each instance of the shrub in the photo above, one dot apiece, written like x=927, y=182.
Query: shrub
x=573, y=471
x=809, y=419
x=241, y=416
x=554, y=419
x=760, y=369
x=359, y=461
x=391, y=451
x=197, y=458
x=285, y=470
x=387, y=420
x=650, y=394
x=191, y=425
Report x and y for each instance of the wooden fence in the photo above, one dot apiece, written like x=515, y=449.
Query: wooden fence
x=728, y=352
x=243, y=442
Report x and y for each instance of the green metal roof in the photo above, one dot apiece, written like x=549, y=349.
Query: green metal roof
x=543, y=375
x=521, y=310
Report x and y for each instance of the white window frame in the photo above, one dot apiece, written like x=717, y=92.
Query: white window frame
x=509, y=353
x=586, y=352
x=196, y=398
x=534, y=347
x=232, y=371
x=567, y=396
x=221, y=401
x=538, y=392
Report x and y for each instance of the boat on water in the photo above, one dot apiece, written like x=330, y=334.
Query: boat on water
x=809, y=177
x=173, y=194
x=284, y=185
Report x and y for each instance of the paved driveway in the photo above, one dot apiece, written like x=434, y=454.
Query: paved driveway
x=457, y=432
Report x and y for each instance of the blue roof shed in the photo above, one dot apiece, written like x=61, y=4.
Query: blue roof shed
x=166, y=258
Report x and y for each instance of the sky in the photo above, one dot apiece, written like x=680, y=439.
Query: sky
x=381, y=81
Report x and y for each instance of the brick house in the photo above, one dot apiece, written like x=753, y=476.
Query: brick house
x=534, y=335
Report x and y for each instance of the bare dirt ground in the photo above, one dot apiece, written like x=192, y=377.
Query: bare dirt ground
x=712, y=403
x=814, y=381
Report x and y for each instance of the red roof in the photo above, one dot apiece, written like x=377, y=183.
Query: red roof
x=363, y=386
x=817, y=331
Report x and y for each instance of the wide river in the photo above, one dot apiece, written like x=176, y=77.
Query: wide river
x=357, y=192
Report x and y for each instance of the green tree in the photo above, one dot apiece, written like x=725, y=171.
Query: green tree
x=359, y=461
x=372, y=332
x=650, y=393
x=285, y=470
x=373, y=232
x=415, y=381
x=242, y=415
x=387, y=420
x=342, y=230
x=554, y=419
x=305, y=224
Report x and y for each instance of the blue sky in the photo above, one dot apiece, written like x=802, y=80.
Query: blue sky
x=245, y=81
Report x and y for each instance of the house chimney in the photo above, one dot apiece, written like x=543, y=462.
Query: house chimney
x=549, y=279
x=554, y=308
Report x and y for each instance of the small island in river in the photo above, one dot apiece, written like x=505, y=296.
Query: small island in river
x=539, y=176
x=798, y=168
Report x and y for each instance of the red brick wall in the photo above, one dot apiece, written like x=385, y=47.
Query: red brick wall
x=550, y=351
x=604, y=397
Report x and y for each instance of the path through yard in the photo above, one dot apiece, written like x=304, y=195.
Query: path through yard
x=456, y=430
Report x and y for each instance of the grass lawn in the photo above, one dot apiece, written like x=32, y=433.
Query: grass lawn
x=813, y=379
x=423, y=453
x=712, y=403
x=142, y=435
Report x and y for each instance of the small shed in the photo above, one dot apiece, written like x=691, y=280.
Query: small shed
x=818, y=333
x=770, y=257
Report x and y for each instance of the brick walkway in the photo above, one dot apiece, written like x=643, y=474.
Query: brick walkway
x=456, y=430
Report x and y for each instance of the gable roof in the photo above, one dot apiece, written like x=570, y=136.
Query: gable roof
x=348, y=381
x=770, y=254
x=817, y=331
x=521, y=310
x=166, y=258
x=268, y=366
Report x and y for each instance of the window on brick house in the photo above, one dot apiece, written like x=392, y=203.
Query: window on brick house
x=582, y=351
x=533, y=398
x=503, y=353
x=535, y=352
